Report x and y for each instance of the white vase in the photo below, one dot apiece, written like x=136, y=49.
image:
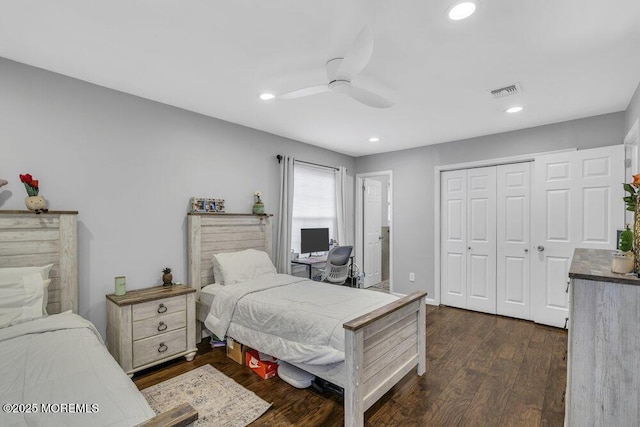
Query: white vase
x=622, y=262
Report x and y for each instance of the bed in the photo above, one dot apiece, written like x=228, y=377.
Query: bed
x=370, y=340
x=56, y=369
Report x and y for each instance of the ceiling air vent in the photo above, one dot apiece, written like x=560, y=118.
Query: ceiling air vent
x=513, y=89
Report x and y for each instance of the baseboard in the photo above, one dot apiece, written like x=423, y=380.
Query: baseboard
x=431, y=301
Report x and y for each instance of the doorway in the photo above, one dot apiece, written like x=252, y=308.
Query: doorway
x=374, y=229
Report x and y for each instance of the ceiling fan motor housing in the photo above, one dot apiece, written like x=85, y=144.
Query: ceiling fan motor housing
x=339, y=86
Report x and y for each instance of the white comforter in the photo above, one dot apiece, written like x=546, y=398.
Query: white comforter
x=61, y=360
x=289, y=317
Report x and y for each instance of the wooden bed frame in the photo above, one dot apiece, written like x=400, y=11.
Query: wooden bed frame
x=381, y=347
x=30, y=240
x=27, y=240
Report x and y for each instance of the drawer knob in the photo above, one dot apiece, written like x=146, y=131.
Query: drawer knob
x=162, y=308
x=162, y=348
x=162, y=327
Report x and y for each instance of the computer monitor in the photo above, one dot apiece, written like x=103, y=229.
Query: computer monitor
x=314, y=240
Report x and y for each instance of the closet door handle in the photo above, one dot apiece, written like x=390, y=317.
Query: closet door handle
x=540, y=248
x=469, y=247
x=526, y=251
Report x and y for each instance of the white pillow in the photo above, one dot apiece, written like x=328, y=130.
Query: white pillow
x=45, y=296
x=21, y=299
x=236, y=267
x=217, y=274
x=13, y=273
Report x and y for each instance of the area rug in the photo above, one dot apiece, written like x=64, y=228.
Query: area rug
x=219, y=400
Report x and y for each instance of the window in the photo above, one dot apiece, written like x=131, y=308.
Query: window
x=314, y=201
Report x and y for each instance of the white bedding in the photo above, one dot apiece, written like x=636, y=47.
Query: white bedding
x=61, y=359
x=292, y=318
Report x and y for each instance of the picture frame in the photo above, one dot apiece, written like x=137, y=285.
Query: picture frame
x=198, y=204
x=206, y=204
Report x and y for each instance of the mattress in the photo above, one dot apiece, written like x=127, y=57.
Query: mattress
x=209, y=292
x=62, y=373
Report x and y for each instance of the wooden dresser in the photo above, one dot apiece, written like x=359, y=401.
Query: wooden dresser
x=149, y=326
x=603, y=384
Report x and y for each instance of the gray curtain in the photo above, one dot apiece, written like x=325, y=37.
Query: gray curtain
x=285, y=209
x=341, y=205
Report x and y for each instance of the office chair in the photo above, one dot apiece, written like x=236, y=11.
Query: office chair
x=337, y=268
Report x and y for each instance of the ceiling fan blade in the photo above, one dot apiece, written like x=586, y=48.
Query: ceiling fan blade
x=357, y=56
x=306, y=91
x=368, y=98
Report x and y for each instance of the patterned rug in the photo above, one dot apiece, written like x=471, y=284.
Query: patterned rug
x=219, y=400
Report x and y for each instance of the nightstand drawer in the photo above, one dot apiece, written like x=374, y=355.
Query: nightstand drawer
x=159, y=325
x=159, y=347
x=159, y=307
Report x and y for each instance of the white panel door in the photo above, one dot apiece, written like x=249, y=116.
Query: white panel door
x=577, y=203
x=372, y=231
x=513, y=240
x=481, y=239
x=453, y=224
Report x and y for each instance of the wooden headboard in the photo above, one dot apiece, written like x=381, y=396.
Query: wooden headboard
x=30, y=240
x=211, y=233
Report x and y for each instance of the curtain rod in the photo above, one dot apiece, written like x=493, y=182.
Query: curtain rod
x=279, y=157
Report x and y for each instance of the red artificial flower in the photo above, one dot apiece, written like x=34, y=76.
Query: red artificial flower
x=636, y=180
x=34, y=183
x=26, y=178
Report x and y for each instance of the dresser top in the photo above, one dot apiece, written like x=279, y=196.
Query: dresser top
x=149, y=294
x=595, y=264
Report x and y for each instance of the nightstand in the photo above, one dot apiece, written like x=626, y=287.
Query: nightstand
x=149, y=326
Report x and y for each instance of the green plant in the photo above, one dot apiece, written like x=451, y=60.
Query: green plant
x=626, y=240
x=30, y=184
x=630, y=200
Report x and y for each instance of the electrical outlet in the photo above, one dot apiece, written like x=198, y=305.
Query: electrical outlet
x=412, y=277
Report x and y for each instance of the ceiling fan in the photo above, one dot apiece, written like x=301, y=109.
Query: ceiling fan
x=341, y=71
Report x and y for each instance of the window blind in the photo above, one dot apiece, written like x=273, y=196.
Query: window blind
x=314, y=201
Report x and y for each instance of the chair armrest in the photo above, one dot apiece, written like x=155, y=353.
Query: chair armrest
x=178, y=416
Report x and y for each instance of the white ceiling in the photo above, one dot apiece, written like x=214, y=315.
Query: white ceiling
x=572, y=58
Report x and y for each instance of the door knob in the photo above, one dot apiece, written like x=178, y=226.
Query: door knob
x=540, y=248
x=526, y=250
x=469, y=248
x=380, y=237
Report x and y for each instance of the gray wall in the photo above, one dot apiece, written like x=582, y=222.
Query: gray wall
x=413, y=182
x=129, y=166
x=633, y=111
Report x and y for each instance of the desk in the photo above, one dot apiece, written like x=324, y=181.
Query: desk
x=310, y=261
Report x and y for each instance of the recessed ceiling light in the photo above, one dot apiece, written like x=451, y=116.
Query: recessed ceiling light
x=267, y=96
x=514, y=109
x=462, y=10
x=374, y=139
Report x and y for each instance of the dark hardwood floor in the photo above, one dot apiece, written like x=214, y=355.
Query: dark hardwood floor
x=482, y=370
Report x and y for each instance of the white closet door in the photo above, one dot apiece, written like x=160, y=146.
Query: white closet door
x=577, y=203
x=513, y=240
x=481, y=239
x=453, y=238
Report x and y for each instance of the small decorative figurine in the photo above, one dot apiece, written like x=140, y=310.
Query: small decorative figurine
x=258, y=206
x=34, y=202
x=167, y=277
